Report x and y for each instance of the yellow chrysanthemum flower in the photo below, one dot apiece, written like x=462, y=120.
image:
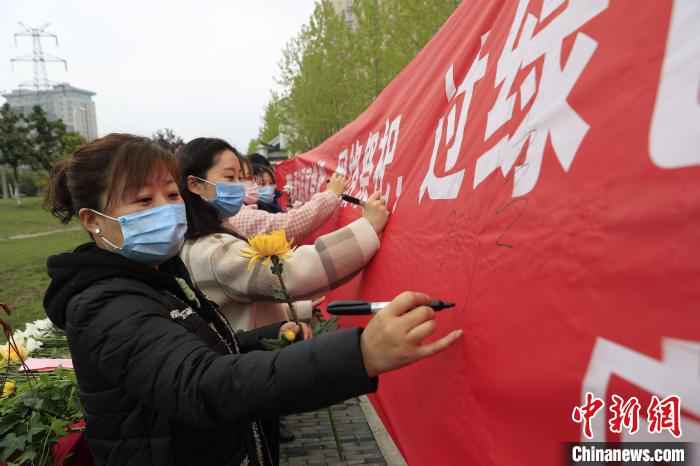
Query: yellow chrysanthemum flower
x=262, y=247
x=8, y=388
x=289, y=335
x=9, y=353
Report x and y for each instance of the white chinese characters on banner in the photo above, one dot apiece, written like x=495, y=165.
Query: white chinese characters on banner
x=533, y=56
x=448, y=186
x=354, y=166
x=675, y=130
x=365, y=165
x=306, y=181
x=549, y=117
x=387, y=149
x=368, y=164
x=366, y=174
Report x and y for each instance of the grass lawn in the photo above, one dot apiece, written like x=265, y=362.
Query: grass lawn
x=27, y=218
x=23, y=277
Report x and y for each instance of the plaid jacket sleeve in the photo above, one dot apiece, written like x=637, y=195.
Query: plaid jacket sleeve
x=297, y=223
x=217, y=267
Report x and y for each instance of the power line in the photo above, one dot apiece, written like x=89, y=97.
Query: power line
x=38, y=57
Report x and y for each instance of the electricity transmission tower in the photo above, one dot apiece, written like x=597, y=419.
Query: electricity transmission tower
x=38, y=57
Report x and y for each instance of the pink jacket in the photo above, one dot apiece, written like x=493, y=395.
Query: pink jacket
x=297, y=223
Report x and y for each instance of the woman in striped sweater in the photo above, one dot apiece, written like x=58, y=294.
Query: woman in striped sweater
x=212, y=252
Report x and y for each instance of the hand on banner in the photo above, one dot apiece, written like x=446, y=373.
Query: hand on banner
x=338, y=184
x=376, y=212
x=393, y=337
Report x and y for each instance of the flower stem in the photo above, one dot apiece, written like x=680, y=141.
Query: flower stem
x=277, y=270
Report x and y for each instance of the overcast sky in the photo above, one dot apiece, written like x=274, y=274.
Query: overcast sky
x=201, y=67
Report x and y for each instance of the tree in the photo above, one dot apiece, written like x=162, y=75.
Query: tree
x=272, y=119
x=253, y=145
x=70, y=143
x=167, y=139
x=35, y=141
x=408, y=26
x=47, y=138
x=316, y=76
x=333, y=69
x=15, y=143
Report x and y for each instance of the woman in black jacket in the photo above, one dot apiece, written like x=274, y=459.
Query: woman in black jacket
x=163, y=380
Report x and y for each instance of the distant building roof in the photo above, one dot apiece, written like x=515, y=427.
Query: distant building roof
x=55, y=89
x=273, y=151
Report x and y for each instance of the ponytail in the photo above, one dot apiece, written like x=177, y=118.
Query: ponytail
x=101, y=172
x=58, y=198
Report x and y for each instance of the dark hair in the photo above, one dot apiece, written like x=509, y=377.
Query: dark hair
x=260, y=169
x=259, y=159
x=103, y=172
x=196, y=158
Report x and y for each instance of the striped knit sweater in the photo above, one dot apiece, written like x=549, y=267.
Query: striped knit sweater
x=218, y=269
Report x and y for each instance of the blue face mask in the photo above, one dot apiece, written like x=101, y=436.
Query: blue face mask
x=267, y=193
x=229, y=197
x=151, y=236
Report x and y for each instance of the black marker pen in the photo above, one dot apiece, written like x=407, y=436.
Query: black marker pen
x=352, y=200
x=356, y=308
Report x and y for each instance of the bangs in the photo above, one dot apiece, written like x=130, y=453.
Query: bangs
x=135, y=164
x=247, y=167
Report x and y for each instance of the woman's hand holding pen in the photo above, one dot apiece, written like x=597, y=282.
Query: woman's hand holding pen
x=394, y=336
x=376, y=212
x=374, y=209
x=338, y=184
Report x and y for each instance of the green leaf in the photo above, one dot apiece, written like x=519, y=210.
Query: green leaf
x=26, y=457
x=33, y=401
x=10, y=444
x=273, y=344
x=58, y=427
x=8, y=423
x=322, y=325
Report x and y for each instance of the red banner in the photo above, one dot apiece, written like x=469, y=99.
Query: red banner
x=542, y=162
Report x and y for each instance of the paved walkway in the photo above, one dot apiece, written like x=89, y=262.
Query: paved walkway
x=339, y=435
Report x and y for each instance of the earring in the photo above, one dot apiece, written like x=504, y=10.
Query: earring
x=98, y=231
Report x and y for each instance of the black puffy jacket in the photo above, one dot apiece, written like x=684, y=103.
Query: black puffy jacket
x=158, y=382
